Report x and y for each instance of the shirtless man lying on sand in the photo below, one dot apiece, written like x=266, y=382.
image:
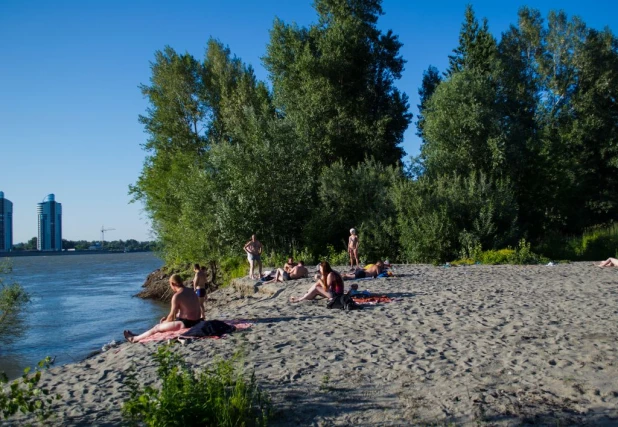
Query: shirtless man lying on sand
x=294, y=273
x=185, y=312
x=369, y=271
x=609, y=262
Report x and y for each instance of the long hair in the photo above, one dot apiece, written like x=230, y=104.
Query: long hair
x=326, y=268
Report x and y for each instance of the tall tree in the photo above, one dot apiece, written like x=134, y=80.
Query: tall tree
x=431, y=80
x=335, y=82
x=477, y=47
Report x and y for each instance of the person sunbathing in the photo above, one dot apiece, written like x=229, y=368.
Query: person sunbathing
x=329, y=285
x=609, y=262
x=294, y=273
x=372, y=270
x=185, y=312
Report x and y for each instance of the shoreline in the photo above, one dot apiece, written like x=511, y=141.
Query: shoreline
x=499, y=344
x=17, y=254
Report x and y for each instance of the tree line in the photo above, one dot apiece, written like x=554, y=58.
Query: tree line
x=519, y=140
x=129, y=245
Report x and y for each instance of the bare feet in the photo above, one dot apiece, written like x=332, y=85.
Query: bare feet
x=293, y=299
x=128, y=335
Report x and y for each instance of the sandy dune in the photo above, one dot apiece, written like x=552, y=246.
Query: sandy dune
x=495, y=345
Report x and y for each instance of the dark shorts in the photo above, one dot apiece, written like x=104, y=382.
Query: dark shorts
x=200, y=292
x=253, y=257
x=189, y=323
x=286, y=276
x=360, y=274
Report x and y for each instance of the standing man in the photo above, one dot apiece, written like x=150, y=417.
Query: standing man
x=199, y=286
x=254, y=254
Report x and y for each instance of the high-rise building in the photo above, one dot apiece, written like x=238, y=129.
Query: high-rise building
x=6, y=224
x=49, y=213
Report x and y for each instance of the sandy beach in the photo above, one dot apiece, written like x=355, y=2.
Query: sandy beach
x=489, y=345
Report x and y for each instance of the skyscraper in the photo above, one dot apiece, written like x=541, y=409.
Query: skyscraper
x=49, y=213
x=6, y=224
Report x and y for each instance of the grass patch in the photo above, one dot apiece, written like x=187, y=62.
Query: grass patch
x=216, y=396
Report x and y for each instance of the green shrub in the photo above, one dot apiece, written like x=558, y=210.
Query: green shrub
x=12, y=296
x=520, y=255
x=439, y=218
x=217, y=396
x=596, y=243
x=336, y=258
x=24, y=394
x=231, y=268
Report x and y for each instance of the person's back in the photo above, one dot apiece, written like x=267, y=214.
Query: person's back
x=299, y=271
x=188, y=305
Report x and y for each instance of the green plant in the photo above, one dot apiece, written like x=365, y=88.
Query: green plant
x=325, y=384
x=25, y=395
x=217, y=396
x=232, y=268
x=336, y=258
x=12, y=296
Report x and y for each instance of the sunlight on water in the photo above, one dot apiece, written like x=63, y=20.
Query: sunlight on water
x=79, y=303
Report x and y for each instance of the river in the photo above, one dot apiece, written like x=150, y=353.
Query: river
x=79, y=303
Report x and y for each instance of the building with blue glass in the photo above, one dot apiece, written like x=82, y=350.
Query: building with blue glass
x=6, y=224
x=49, y=213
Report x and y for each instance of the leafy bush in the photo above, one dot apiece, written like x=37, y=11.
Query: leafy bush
x=520, y=255
x=437, y=218
x=217, y=396
x=596, y=243
x=24, y=394
x=12, y=296
x=232, y=268
x=334, y=257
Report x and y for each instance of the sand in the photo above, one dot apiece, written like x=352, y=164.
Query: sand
x=489, y=345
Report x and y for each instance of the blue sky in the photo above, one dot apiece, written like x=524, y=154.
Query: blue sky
x=70, y=70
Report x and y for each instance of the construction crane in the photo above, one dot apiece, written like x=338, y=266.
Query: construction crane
x=103, y=230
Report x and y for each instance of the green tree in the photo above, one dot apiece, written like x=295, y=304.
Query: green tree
x=477, y=48
x=335, y=82
x=463, y=128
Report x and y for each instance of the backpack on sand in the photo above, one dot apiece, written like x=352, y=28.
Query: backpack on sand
x=344, y=302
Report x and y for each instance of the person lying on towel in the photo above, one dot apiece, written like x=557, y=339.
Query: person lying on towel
x=185, y=312
x=297, y=272
x=371, y=270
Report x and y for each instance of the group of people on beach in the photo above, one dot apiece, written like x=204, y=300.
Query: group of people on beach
x=188, y=305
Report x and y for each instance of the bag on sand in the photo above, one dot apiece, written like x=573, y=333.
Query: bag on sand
x=344, y=302
x=216, y=328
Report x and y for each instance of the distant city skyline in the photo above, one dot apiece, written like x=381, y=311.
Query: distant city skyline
x=71, y=70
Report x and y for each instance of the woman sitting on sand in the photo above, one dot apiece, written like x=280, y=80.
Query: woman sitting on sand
x=329, y=285
x=371, y=270
x=185, y=312
x=609, y=262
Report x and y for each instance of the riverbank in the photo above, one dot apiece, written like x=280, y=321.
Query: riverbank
x=496, y=344
x=16, y=254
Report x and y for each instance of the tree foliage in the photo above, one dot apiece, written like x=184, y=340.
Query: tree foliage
x=519, y=140
x=227, y=158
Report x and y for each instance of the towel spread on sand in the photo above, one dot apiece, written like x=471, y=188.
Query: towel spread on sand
x=164, y=336
x=371, y=300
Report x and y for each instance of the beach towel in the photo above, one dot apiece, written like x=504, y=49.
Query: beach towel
x=165, y=336
x=371, y=300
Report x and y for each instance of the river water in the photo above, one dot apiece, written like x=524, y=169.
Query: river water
x=79, y=303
